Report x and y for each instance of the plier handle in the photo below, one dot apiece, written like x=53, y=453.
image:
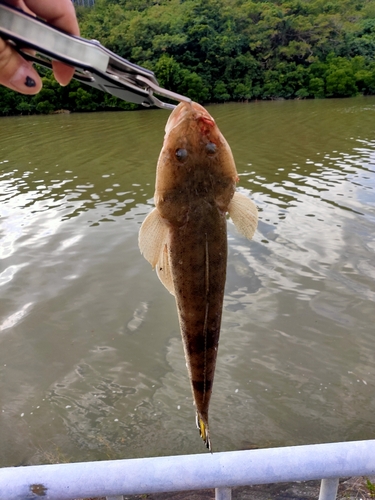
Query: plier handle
x=94, y=64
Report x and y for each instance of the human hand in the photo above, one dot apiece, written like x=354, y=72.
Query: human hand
x=19, y=74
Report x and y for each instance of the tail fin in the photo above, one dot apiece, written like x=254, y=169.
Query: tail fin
x=204, y=432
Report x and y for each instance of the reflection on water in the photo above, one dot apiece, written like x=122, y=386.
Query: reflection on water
x=91, y=361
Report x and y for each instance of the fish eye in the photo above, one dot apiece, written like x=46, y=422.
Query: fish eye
x=211, y=148
x=181, y=154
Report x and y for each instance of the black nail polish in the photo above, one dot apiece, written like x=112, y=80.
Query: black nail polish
x=29, y=82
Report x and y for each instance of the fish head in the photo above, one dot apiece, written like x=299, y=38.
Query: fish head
x=195, y=158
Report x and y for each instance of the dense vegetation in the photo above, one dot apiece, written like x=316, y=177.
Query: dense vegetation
x=221, y=50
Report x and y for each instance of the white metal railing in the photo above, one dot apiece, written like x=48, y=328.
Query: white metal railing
x=221, y=471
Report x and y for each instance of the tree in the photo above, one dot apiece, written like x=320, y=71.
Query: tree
x=220, y=50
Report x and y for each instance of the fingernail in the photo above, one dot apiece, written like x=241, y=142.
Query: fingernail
x=26, y=80
x=30, y=82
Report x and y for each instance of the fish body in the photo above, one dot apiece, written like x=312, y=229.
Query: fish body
x=185, y=237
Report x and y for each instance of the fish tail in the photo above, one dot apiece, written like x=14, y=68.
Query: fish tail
x=204, y=432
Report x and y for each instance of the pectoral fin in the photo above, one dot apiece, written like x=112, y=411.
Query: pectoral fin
x=163, y=270
x=153, y=242
x=244, y=214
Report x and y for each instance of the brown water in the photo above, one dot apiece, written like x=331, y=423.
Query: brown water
x=91, y=361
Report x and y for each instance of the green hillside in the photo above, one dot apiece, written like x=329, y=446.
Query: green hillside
x=226, y=50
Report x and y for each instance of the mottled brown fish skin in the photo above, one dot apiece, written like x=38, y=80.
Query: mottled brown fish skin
x=193, y=191
x=200, y=245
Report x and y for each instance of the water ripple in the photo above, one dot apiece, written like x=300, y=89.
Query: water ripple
x=91, y=360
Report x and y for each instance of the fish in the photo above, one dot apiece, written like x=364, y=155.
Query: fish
x=185, y=237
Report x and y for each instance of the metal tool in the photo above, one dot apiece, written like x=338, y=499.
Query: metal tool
x=94, y=64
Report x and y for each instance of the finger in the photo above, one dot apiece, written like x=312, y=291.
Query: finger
x=16, y=73
x=20, y=4
x=62, y=72
x=59, y=13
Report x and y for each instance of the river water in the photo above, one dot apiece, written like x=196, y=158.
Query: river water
x=91, y=360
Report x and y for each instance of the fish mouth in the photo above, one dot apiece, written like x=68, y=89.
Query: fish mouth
x=190, y=111
x=178, y=115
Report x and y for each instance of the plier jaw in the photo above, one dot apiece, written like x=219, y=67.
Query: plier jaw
x=94, y=64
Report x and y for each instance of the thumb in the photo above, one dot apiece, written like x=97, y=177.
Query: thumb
x=17, y=73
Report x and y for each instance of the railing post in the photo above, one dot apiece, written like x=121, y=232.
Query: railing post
x=223, y=493
x=328, y=488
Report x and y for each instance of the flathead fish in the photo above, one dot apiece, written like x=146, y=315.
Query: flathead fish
x=185, y=237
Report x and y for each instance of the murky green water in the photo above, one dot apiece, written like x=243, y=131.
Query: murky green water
x=91, y=361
